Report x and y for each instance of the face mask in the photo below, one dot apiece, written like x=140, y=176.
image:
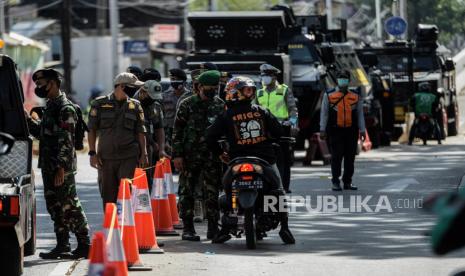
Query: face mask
x=267, y=80
x=210, y=93
x=130, y=91
x=176, y=84
x=42, y=91
x=342, y=82
x=147, y=102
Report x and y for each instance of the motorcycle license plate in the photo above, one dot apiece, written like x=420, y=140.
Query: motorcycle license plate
x=248, y=184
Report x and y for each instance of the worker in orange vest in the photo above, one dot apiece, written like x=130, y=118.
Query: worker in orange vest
x=342, y=119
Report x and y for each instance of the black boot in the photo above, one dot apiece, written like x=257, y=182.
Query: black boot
x=285, y=233
x=61, y=251
x=336, y=187
x=82, y=249
x=212, y=229
x=222, y=236
x=188, y=231
x=350, y=187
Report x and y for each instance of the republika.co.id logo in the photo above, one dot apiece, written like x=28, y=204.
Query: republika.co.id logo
x=339, y=204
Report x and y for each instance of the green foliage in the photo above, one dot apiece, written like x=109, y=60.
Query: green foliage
x=234, y=5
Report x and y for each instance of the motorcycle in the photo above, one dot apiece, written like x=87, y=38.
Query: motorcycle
x=248, y=181
x=424, y=128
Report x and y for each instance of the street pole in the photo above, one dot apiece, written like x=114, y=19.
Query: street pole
x=403, y=13
x=114, y=29
x=379, y=28
x=66, y=44
x=329, y=13
x=101, y=17
x=2, y=24
x=212, y=5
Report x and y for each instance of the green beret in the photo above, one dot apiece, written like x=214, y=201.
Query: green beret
x=210, y=78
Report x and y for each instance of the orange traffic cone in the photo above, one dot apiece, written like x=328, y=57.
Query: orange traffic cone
x=168, y=176
x=97, y=255
x=128, y=227
x=161, y=205
x=111, y=270
x=115, y=251
x=145, y=228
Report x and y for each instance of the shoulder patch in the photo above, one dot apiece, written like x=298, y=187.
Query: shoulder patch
x=330, y=90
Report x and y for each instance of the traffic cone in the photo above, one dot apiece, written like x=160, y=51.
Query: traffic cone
x=161, y=205
x=128, y=227
x=145, y=228
x=97, y=255
x=111, y=270
x=168, y=176
x=114, y=246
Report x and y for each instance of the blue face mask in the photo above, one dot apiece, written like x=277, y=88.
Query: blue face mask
x=342, y=82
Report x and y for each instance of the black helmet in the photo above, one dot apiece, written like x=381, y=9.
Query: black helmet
x=234, y=88
x=424, y=86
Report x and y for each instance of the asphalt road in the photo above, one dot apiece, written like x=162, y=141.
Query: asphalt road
x=391, y=241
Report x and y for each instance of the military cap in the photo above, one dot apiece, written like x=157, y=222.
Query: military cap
x=151, y=74
x=211, y=77
x=267, y=69
x=196, y=73
x=208, y=66
x=343, y=74
x=135, y=70
x=178, y=73
x=48, y=73
x=128, y=79
x=153, y=88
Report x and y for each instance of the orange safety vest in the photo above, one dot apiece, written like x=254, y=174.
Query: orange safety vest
x=343, y=109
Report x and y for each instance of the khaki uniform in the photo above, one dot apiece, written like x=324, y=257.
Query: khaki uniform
x=118, y=124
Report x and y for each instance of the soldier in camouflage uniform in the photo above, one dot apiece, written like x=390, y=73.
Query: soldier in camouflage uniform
x=150, y=96
x=193, y=159
x=171, y=98
x=57, y=159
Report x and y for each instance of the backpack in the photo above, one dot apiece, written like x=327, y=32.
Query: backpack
x=81, y=127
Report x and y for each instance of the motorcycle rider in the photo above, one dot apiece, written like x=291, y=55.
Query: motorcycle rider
x=246, y=141
x=424, y=102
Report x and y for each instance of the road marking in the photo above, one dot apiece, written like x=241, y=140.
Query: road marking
x=399, y=185
x=62, y=269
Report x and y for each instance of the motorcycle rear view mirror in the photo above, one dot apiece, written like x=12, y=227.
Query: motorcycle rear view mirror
x=6, y=143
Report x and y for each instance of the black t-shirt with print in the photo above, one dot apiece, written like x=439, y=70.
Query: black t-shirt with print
x=249, y=130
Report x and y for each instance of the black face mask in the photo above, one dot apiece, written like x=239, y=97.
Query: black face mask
x=147, y=102
x=42, y=91
x=130, y=91
x=210, y=93
x=176, y=84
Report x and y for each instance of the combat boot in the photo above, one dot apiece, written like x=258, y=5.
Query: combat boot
x=82, y=249
x=188, y=231
x=198, y=211
x=61, y=250
x=285, y=233
x=212, y=229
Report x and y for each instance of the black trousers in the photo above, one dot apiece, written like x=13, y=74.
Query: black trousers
x=436, y=130
x=343, y=143
x=284, y=163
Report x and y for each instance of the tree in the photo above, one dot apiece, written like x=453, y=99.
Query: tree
x=234, y=5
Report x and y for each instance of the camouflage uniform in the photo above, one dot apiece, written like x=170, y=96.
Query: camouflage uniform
x=193, y=118
x=153, y=115
x=170, y=106
x=56, y=149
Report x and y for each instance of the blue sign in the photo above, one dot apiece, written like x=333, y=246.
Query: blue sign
x=136, y=47
x=395, y=26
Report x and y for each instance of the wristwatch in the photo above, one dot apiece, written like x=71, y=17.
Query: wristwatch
x=92, y=153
